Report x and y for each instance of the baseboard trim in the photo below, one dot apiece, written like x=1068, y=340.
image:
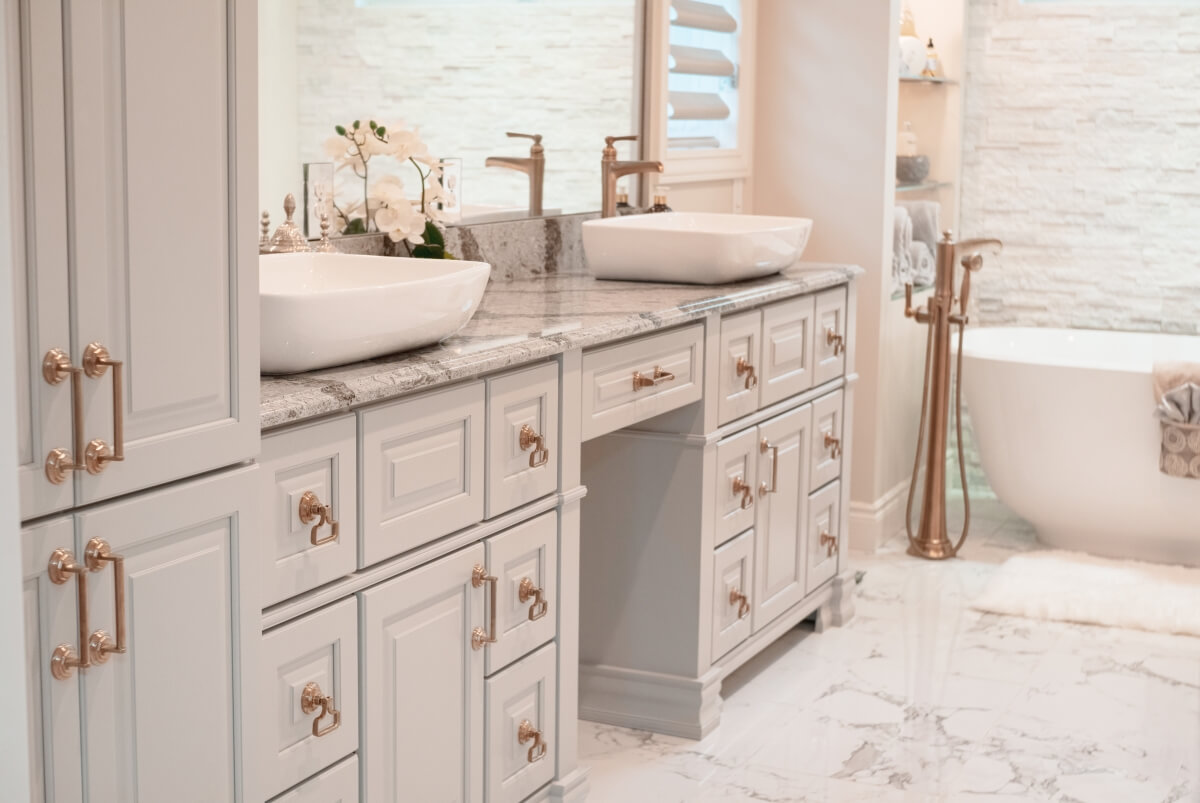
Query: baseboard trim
x=654, y=701
x=571, y=789
x=872, y=524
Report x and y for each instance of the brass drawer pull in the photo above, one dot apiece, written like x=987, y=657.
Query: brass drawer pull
x=66, y=657
x=740, y=486
x=764, y=447
x=525, y=732
x=479, y=636
x=832, y=338
x=746, y=368
x=741, y=601
x=528, y=591
x=830, y=543
x=660, y=376
x=101, y=645
x=310, y=700
x=834, y=445
x=56, y=366
x=529, y=439
x=312, y=510
x=96, y=361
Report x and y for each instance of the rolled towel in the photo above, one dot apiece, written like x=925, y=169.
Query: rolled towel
x=924, y=269
x=1170, y=375
x=901, y=240
x=925, y=216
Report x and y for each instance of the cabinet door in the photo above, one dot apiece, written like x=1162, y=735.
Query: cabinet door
x=829, y=348
x=53, y=705
x=823, y=528
x=33, y=203
x=787, y=361
x=423, y=684
x=779, y=555
x=162, y=718
x=163, y=218
x=740, y=370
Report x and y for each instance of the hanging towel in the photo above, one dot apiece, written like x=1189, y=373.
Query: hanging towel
x=925, y=216
x=924, y=269
x=901, y=240
x=1177, y=393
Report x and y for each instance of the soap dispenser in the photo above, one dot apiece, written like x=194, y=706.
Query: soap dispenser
x=660, y=200
x=933, y=63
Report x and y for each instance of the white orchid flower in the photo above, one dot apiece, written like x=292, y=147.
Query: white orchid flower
x=402, y=222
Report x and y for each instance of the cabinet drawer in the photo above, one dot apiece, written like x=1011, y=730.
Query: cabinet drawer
x=525, y=562
x=827, y=440
x=824, y=528
x=787, y=358
x=635, y=381
x=829, y=361
x=299, y=735
x=523, y=445
x=338, y=784
x=733, y=572
x=310, y=521
x=736, y=492
x=740, y=365
x=422, y=470
x=522, y=703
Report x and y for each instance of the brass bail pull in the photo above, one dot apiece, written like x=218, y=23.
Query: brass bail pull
x=525, y=733
x=312, y=510
x=529, y=439
x=527, y=591
x=313, y=698
x=96, y=362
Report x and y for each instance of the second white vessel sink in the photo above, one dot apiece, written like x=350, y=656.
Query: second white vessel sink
x=320, y=310
x=693, y=247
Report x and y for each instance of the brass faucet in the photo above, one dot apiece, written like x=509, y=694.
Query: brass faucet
x=534, y=166
x=611, y=170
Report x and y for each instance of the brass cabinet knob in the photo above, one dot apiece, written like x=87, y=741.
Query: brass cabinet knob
x=740, y=486
x=830, y=543
x=746, y=369
x=741, y=601
x=313, y=698
x=479, y=636
x=834, y=445
x=527, y=591
x=529, y=439
x=832, y=338
x=526, y=732
x=660, y=376
x=311, y=510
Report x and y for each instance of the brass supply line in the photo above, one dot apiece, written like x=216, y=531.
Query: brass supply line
x=932, y=539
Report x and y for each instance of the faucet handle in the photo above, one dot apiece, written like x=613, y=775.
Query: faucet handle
x=536, y=148
x=627, y=138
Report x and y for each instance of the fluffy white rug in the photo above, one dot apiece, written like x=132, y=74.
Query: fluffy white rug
x=1074, y=587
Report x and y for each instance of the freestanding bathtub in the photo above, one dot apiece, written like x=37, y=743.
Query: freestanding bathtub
x=1064, y=419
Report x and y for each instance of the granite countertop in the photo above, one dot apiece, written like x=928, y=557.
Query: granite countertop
x=524, y=320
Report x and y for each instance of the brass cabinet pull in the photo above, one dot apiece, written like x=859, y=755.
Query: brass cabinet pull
x=764, y=447
x=740, y=486
x=479, y=636
x=832, y=338
x=660, y=376
x=528, y=591
x=537, y=750
x=741, y=601
x=56, y=366
x=312, y=510
x=310, y=700
x=96, y=361
x=529, y=439
x=66, y=657
x=830, y=543
x=834, y=445
x=747, y=369
x=100, y=644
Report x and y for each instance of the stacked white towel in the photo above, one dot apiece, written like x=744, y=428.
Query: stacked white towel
x=924, y=269
x=926, y=221
x=902, y=240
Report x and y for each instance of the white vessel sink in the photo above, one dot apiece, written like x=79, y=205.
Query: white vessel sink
x=320, y=310
x=693, y=247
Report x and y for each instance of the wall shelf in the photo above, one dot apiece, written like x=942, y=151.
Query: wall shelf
x=918, y=290
x=921, y=79
x=924, y=186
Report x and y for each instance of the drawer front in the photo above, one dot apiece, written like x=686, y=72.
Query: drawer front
x=522, y=703
x=824, y=528
x=338, y=784
x=827, y=440
x=635, y=381
x=733, y=572
x=740, y=365
x=310, y=510
x=422, y=471
x=525, y=562
x=830, y=336
x=737, y=490
x=787, y=360
x=320, y=649
x=523, y=445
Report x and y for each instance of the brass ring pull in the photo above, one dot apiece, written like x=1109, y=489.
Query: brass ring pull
x=479, y=636
x=741, y=601
x=56, y=366
x=100, y=644
x=834, y=445
x=96, y=361
x=740, y=486
x=746, y=368
x=310, y=700
x=312, y=510
x=529, y=439
x=660, y=376
x=528, y=591
x=66, y=657
x=832, y=338
x=765, y=446
x=525, y=732
x=829, y=542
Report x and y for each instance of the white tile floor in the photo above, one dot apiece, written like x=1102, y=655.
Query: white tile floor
x=903, y=705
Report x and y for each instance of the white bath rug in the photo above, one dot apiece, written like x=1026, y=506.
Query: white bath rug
x=1074, y=587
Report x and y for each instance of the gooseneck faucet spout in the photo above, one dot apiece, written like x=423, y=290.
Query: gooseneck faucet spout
x=611, y=169
x=534, y=166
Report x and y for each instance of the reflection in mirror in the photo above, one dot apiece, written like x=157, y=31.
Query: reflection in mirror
x=461, y=73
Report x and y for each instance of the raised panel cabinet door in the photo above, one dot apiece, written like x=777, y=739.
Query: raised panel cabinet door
x=779, y=556
x=740, y=365
x=826, y=439
x=423, y=698
x=52, y=704
x=163, y=719
x=787, y=361
x=338, y=784
x=522, y=706
x=823, y=528
x=523, y=443
x=829, y=348
x=525, y=561
x=163, y=218
x=736, y=494
x=733, y=591
x=33, y=202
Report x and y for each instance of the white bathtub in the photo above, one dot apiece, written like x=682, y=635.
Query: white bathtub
x=1064, y=419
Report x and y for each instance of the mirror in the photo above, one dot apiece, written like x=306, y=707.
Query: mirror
x=461, y=73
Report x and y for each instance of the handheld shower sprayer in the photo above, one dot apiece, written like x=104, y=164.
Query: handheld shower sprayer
x=932, y=538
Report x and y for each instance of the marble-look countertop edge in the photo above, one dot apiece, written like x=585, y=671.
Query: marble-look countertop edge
x=300, y=398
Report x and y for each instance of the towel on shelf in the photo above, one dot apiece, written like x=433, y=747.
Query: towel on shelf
x=926, y=224
x=1177, y=394
x=901, y=240
x=924, y=269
